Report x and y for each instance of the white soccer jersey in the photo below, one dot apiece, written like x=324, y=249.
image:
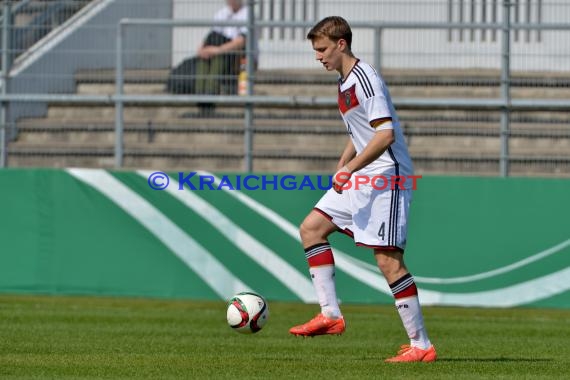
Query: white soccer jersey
x=362, y=98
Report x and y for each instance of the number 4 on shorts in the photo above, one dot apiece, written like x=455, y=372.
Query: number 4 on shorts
x=381, y=231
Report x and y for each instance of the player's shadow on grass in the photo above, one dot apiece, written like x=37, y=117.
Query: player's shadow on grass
x=493, y=360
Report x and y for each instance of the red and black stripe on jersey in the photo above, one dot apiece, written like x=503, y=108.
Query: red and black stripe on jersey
x=364, y=81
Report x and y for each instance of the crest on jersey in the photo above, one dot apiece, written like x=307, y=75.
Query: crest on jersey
x=347, y=99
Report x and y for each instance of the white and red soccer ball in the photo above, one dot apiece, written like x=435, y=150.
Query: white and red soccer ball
x=247, y=312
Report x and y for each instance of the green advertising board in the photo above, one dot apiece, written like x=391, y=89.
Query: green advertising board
x=472, y=241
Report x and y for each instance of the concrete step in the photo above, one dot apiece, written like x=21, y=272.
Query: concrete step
x=403, y=83
x=132, y=113
x=330, y=90
x=328, y=146
x=309, y=122
x=132, y=147
x=484, y=146
x=136, y=76
x=128, y=88
x=423, y=165
x=59, y=161
x=265, y=123
x=171, y=136
x=286, y=139
x=107, y=113
x=394, y=77
x=293, y=125
x=281, y=116
x=412, y=91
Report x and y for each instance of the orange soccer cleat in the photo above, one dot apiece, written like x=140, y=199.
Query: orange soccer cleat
x=320, y=325
x=409, y=353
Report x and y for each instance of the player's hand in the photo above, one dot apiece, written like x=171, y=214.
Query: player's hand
x=340, y=178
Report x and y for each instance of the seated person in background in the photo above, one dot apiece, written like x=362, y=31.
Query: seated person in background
x=221, y=52
x=215, y=69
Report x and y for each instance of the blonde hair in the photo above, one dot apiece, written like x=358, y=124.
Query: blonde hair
x=333, y=27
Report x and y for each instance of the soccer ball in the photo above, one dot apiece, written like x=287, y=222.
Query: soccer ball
x=247, y=312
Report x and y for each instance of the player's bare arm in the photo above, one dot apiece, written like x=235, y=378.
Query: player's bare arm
x=378, y=145
x=343, y=174
x=348, y=154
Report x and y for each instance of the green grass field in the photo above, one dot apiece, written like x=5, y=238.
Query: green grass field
x=115, y=338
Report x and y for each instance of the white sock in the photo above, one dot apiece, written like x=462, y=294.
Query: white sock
x=324, y=283
x=411, y=314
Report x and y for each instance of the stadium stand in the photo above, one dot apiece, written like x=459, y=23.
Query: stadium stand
x=286, y=139
x=177, y=136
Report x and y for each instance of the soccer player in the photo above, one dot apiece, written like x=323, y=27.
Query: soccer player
x=374, y=218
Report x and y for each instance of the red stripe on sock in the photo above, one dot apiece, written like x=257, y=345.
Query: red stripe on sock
x=323, y=258
x=410, y=291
